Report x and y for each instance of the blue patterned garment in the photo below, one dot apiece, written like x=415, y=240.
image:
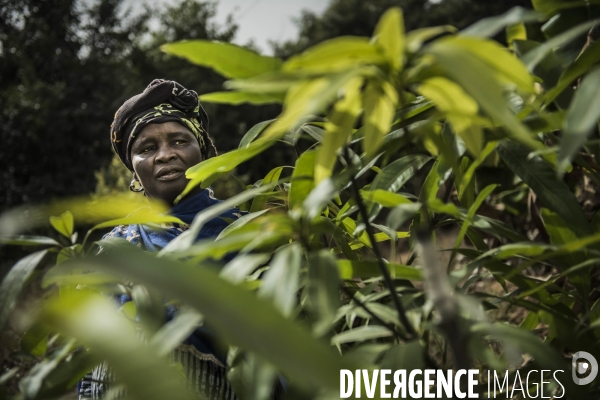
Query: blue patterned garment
x=203, y=362
x=153, y=237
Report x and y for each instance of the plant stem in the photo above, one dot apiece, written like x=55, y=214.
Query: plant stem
x=384, y=271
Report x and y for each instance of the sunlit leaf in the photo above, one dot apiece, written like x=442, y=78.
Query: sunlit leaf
x=389, y=36
x=338, y=128
x=335, y=55
x=351, y=269
x=63, y=224
x=229, y=60
x=361, y=334
x=379, y=103
x=236, y=98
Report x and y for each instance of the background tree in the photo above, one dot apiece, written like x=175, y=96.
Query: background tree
x=356, y=17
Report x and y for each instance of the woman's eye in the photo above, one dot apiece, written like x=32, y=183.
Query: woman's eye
x=147, y=149
x=180, y=142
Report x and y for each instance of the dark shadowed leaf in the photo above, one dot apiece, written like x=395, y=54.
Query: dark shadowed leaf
x=581, y=118
x=541, y=178
x=13, y=282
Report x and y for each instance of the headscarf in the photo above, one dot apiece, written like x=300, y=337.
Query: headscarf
x=162, y=101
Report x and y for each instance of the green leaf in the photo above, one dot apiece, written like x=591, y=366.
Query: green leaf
x=385, y=198
x=396, y=174
x=584, y=62
x=302, y=179
x=541, y=178
x=481, y=197
x=335, y=55
x=532, y=58
x=389, y=36
x=22, y=240
x=93, y=320
x=280, y=283
x=416, y=38
x=236, y=98
x=243, y=265
x=260, y=202
x=361, y=334
x=402, y=213
x=13, y=283
x=171, y=334
x=227, y=59
x=35, y=340
x=352, y=269
x=253, y=133
x=582, y=117
x=187, y=238
x=466, y=62
x=222, y=164
x=63, y=224
x=234, y=313
x=323, y=289
x=338, y=128
x=85, y=210
x=379, y=102
x=466, y=178
x=490, y=27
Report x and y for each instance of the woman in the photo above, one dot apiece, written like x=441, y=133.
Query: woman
x=158, y=135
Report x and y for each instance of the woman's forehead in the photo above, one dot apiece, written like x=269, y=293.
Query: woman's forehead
x=166, y=129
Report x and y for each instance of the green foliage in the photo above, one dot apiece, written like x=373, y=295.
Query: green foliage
x=339, y=263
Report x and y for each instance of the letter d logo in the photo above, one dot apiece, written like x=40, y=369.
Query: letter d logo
x=581, y=367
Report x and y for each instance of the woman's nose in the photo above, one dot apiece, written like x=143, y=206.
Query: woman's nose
x=164, y=154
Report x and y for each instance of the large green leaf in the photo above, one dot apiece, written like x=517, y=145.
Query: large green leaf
x=229, y=60
x=490, y=27
x=237, y=315
x=541, y=178
x=94, y=322
x=236, y=98
x=582, y=117
x=13, y=282
x=361, y=334
x=335, y=55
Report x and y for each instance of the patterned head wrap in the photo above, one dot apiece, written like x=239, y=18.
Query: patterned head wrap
x=162, y=101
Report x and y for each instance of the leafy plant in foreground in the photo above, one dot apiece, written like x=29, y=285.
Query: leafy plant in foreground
x=343, y=261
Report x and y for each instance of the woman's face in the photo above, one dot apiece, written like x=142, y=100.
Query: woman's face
x=160, y=156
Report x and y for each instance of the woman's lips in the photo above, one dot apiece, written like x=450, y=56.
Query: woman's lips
x=170, y=176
